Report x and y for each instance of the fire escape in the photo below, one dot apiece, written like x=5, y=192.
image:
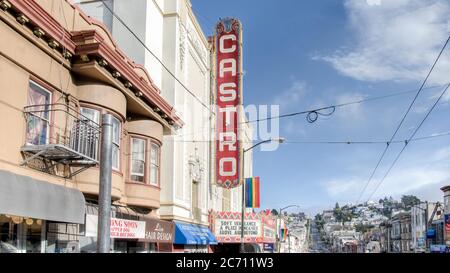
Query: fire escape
x=59, y=140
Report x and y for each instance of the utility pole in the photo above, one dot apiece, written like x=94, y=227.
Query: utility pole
x=104, y=196
x=289, y=239
x=279, y=140
x=242, y=247
x=426, y=226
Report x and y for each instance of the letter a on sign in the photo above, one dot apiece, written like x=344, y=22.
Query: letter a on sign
x=228, y=74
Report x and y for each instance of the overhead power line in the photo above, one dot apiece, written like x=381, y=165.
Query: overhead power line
x=351, y=142
x=154, y=55
x=331, y=107
x=402, y=121
x=313, y=114
x=408, y=141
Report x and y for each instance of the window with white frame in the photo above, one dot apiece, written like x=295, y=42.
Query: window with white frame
x=116, y=144
x=89, y=114
x=38, y=122
x=87, y=132
x=154, y=164
x=138, y=159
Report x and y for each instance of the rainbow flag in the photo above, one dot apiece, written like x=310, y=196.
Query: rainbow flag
x=252, y=196
x=283, y=234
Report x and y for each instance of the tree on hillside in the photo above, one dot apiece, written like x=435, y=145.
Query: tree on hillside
x=408, y=201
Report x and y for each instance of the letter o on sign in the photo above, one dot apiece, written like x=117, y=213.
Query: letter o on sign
x=233, y=168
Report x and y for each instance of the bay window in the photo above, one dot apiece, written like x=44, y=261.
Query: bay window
x=138, y=159
x=144, y=160
x=116, y=144
x=87, y=134
x=154, y=165
x=90, y=115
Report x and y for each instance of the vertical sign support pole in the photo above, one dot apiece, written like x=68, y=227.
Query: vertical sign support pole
x=243, y=203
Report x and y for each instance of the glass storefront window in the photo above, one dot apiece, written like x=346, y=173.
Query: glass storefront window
x=8, y=235
x=121, y=246
x=20, y=235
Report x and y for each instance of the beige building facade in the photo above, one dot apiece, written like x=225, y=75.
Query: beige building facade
x=60, y=71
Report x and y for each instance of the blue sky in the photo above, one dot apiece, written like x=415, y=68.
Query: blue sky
x=305, y=54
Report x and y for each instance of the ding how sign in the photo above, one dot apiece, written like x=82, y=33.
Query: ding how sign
x=228, y=50
x=120, y=228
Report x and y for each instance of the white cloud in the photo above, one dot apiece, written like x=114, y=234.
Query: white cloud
x=396, y=40
x=293, y=128
x=441, y=154
x=291, y=96
x=342, y=187
x=417, y=177
x=408, y=180
x=351, y=111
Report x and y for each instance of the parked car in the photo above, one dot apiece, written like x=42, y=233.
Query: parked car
x=8, y=248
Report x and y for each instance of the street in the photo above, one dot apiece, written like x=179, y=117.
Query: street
x=316, y=243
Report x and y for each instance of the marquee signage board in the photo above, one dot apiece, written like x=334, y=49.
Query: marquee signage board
x=228, y=228
x=258, y=228
x=228, y=63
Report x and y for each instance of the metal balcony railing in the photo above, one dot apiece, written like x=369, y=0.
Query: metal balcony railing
x=58, y=135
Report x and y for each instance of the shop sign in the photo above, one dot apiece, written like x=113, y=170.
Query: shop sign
x=447, y=228
x=195, y=249
x=438, y=248
x=120, y=228
x=431, y=233
x=228, y=228
x=157, y=231
x=269, y=229
x=269, y=247
x=420, y=242
x=228, y=48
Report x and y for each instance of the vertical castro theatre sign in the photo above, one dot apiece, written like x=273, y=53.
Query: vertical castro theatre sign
x=229, y=62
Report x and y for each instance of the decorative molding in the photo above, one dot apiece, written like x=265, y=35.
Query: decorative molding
x=115, y=60
x=21, y=18
x=67, y=54
x=196, y=43
x=128, y=84
x=38, y=32
x=182, y=44
x=116, y=74
x=4, y=5
x=41, y=18
x=53, y=44
x=102, y=62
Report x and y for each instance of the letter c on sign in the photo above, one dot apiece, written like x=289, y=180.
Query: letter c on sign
x=222, y=43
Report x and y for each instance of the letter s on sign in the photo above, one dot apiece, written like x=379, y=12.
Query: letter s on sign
x=228, y=91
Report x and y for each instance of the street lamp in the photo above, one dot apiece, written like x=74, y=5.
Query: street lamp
x=279, y=220
x=279, y=140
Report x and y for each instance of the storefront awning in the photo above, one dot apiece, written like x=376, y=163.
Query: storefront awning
x=191, y=234
x=26, y=197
